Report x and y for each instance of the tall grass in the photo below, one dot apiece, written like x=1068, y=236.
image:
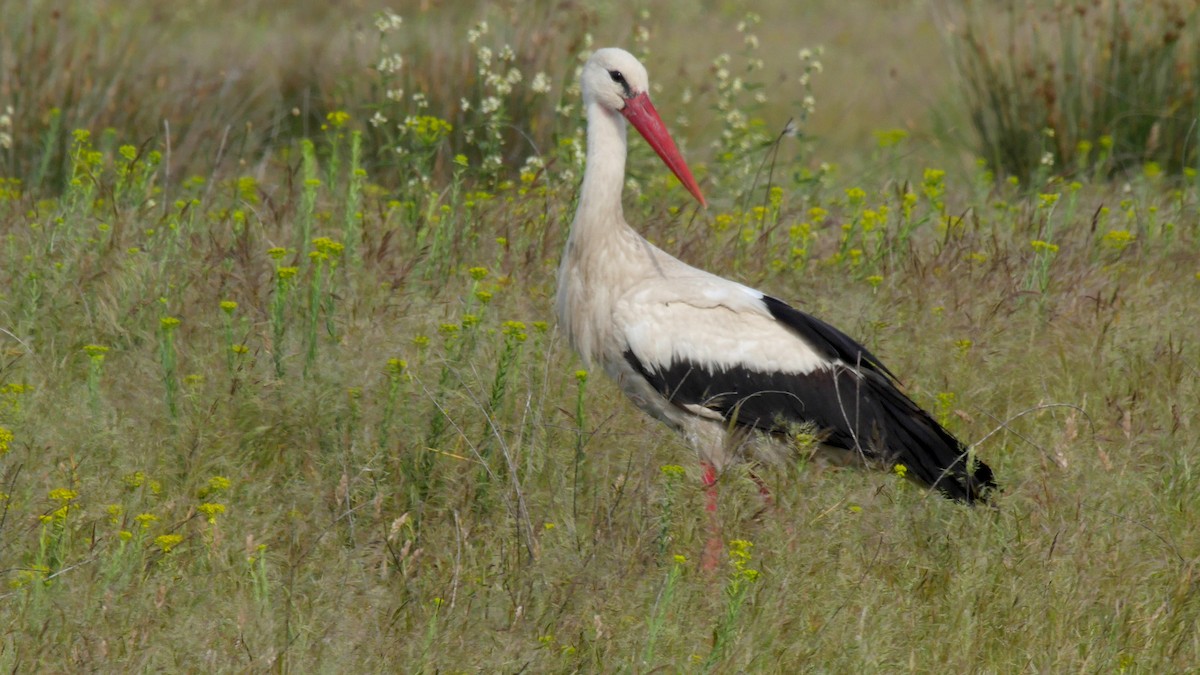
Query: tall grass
x=1082, y=89
x=386, y=458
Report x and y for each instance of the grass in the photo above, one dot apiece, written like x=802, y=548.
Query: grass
x=298, y=405
x=1108, y=88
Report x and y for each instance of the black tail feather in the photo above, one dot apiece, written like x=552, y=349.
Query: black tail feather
x=933, y=455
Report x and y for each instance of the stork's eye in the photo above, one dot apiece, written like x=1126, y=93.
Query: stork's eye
x=620, y=79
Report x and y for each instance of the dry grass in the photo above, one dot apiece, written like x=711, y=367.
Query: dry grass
x=396, y=456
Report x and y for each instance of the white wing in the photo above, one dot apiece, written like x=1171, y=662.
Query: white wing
x=709, y=322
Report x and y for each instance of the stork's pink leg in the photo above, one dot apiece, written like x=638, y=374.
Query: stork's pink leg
x=710, y=486
x=712, y=548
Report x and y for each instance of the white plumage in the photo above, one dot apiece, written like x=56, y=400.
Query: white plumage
x=714, y=359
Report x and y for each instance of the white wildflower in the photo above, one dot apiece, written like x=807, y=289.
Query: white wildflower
x=390, y=64
x=388, y=21
x=809, y=104
x=474, y=34
x=507, y=54
x=377, y=119
x=489, y=105
x=541, y=84
x=805, y=54
x=751, y=41
x=485, y=56
x=465, y=105
x=394, y=94
x=499, y=84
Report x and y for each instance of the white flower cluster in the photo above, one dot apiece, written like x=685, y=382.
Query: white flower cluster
x=477, y=32
x=811, y=63
x=390, y=63
x=541, y=84
x=388, y=21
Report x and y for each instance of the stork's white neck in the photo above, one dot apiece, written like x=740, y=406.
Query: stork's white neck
x=604, y=176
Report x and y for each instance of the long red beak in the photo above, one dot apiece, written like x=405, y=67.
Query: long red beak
x=641, y=114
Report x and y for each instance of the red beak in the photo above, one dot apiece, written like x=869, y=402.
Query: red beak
x=642, y=115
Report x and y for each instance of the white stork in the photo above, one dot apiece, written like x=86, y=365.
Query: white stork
x=720, y=362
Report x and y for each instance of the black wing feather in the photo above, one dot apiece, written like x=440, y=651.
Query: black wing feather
x=853, y=402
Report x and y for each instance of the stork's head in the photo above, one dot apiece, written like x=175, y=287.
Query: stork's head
x=616, y=81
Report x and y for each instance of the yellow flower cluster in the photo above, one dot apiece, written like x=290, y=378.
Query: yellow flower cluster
x=211, y=510
x=326, y=248
x=514, y=329
x=95, y=352
x=1117, y=240
x=739, y=555
x=672, y=470
x=166, y=542
x=427, y=128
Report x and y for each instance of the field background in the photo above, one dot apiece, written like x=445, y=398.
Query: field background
x=280, y=386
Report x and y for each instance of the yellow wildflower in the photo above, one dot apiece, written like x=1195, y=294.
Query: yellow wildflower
x=672, y=470
x=211, y=510
x=145, y=520
x=166, y=542
x=63, y=495
x=96, y=352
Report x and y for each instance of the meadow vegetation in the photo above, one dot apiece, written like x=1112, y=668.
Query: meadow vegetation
x=281, y=389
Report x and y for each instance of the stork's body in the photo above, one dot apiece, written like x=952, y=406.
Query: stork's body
x=720, y=362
